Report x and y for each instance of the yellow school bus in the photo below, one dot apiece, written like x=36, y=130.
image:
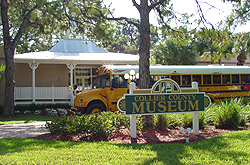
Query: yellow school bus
x=218, y=82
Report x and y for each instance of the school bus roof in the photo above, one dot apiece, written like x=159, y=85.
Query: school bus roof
x=182, y=69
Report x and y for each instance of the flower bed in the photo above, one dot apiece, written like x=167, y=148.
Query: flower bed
x=48, y=112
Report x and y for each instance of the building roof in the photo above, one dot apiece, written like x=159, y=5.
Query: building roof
x=77, y=46
x=76, y=52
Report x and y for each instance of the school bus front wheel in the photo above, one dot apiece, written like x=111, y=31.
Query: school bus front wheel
x=95, y=108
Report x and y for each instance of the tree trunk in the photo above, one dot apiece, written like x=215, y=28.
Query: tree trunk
x=144, y=53
x=241, y=58
x=9, y=83
x=9, y=62
x=144, y=45
x=211, y=56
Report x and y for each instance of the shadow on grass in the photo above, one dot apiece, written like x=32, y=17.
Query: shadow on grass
x=230, y=147
x=227, y=148
x=11, y=145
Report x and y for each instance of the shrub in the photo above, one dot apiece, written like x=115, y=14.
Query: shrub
x=229, y=114
x=186, y=120
x=244, y=115
x=162, y=122
x=202, y=120
x=96, y=125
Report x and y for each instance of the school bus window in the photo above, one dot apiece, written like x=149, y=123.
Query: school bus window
x=226, y=79
x=165, y=76
x=245, y=78
x=186, y=80
x=206, y=79
x=197, y=78
x=103, y=81
x=176, y=78
x=118, y=81
x=216, y=79
x=235, y=79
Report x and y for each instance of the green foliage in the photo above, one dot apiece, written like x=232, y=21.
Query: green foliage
x=49, y=21
x=214, y=44
x=43, y=25
x=85, y=20
x=187, y=120
x=2, y=68
x=162, y=122
x=125, y=38
x=240, y=13
x=226, y=115
x=96, y=125
x=241, y=47
x=176, y=48
x=229, y=114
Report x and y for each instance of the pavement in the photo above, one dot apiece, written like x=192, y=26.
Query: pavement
x=24, y=130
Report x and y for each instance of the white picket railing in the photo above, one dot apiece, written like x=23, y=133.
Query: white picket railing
x=42, y=95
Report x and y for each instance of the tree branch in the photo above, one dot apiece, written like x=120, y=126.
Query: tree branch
x=203, y=19
x=153, y=5
x=118, y=19
x=5, y=22
x=136, y=5
x=23, y=26
x=26, y=22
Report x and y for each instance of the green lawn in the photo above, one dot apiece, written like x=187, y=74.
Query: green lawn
x=25, y=119
x=229, y=148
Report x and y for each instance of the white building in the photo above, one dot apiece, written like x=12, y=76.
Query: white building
x=44, y=77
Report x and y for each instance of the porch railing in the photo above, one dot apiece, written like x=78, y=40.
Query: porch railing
x=42, y=95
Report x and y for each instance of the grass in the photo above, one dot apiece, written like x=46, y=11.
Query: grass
x=25, y=119
x=228, y=148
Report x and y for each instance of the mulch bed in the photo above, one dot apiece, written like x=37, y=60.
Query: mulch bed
x=146, y=136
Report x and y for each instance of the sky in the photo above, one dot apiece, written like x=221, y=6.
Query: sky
x=221, y=10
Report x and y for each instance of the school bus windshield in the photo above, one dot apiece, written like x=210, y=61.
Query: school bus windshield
x=118, y=81
x=103, y=81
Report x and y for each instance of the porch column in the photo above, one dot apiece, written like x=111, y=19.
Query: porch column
x=33, y=66
x=71, y=68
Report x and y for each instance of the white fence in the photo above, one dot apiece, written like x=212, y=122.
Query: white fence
x=23, y=95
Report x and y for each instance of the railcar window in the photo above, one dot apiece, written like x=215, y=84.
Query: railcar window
x=206, y=79
x=186, y=80
x=197, y=78
x=164, y=76
x=153, y=80
x=245, y=78
x=226, y=79
x=216, y=79
x=235, y=79
x=176, y=78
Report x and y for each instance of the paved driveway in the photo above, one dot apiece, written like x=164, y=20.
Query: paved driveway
x=25, y=130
